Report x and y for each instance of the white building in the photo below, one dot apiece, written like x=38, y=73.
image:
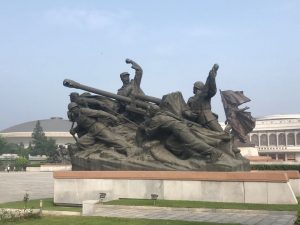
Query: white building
x=278, y=136
x=56, y=128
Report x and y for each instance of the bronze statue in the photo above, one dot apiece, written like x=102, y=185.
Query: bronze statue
x=131, y=87
x=92, y=129
x=239, y=121
x=183, y=138
x=200, y=103
x=169, y=134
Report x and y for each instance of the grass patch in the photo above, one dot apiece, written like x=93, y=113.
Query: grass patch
x=198, y=204
x=104, y=221
x=49, y=205
x=35, y=204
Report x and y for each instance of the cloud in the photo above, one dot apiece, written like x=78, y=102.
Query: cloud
x=86, y=19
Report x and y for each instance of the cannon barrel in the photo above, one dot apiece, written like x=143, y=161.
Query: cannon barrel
x=73, y=84
x=148, y=98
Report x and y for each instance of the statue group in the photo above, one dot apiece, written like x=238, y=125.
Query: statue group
x=133, y=131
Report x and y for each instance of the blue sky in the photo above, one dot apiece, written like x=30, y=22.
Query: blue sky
x=256, y=44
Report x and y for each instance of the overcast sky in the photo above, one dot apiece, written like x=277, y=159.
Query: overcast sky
x=256, y=44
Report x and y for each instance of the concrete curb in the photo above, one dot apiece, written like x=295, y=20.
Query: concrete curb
x=47, y=212
x=236, y=211
x=60, y=213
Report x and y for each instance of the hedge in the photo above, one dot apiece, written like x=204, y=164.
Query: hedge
x=275, y=167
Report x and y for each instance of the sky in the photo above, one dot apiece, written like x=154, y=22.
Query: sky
x=256, y=44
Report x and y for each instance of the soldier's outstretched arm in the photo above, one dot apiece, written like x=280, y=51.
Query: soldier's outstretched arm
x=138, y=71
x=210, y=84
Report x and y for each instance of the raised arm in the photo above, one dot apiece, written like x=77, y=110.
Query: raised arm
x=210, y=84
x=138, y=71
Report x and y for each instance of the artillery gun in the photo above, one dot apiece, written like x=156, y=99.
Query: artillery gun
x=144, y=101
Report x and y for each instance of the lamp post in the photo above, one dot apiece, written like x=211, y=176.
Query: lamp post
x=102, y=196
x=26, y=199
x=154, y=198
x=41, y=207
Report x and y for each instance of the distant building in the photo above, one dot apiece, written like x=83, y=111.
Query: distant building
x=278, y=136
x=56, y=128
x=7, y=157
x=37, y=158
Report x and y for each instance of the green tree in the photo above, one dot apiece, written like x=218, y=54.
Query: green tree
x=12, y=148
x=20, y=163
x=3, y=144
x=23, y=152
x=41, y=145
x=9, y=147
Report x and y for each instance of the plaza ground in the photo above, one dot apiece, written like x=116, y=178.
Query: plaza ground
x=14, y=185
x=39, y=185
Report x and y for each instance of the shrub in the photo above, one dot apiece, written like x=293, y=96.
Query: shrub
x=11, y=215
x=275, y=167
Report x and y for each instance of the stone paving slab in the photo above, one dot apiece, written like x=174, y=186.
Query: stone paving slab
x=13, y=185
x=236, y=216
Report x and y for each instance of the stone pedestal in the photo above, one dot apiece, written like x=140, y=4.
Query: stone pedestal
x=73, y=187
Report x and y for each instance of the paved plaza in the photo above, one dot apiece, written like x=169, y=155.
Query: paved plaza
x=13, y=185
x=39, y=185
x=249, y=217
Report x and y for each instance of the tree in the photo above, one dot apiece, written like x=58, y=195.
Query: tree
x=41, y=144
x=2, y=145
x=21, y=163
x=11, y=148
x=23, y=152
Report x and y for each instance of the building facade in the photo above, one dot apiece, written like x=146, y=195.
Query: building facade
x=56, y=128
x=278, y=136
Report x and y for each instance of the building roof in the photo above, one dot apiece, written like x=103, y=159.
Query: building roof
x=279, y=116
x=54, y=124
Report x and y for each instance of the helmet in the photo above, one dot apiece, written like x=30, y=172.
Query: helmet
x=72, y=105
x=124, y=74
x=199, y=85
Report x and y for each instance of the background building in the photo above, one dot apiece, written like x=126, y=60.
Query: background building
x=278, y=136
x=56, y=128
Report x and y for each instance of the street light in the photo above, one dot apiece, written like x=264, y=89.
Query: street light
x=154, y=198
x=102, y=196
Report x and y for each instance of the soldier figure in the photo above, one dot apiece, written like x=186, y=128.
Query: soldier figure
x=92, y=130
x=86, y=100
x=200, y=103
x=131, y=87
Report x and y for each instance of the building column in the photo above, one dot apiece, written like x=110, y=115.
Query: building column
x=258, y=139
x=276, y=139
x=268, y=139
x=285, y=134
